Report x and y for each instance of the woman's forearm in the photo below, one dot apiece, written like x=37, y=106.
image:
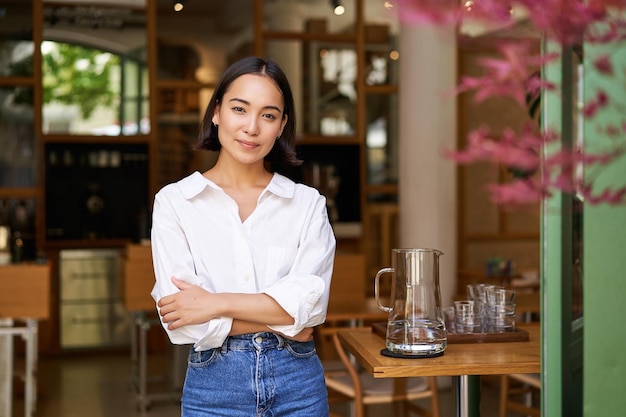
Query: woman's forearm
x=194, y=305
x=254, y=308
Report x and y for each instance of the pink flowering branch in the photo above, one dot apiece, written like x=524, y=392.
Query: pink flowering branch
x=519, y=151
x=518, y=192
x=514, y=74
x=509, y=76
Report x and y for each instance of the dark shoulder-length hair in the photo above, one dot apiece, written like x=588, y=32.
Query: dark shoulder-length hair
x=283, y=154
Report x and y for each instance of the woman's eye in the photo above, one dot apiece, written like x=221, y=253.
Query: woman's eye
x=269, y=116
x=238, y=109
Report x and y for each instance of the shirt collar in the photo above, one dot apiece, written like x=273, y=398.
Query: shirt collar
x=195, y=183
x=281, y=186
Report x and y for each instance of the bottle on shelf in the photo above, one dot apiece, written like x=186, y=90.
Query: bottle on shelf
x=5, y=253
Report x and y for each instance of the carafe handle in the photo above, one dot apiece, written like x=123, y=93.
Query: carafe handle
x=377, y=286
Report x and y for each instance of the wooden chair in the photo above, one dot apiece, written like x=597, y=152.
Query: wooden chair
x=516, y=390
x=349, y=304
x=347, y=287
x=357, y=386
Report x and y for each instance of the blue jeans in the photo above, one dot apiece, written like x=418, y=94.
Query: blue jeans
x=255, y=375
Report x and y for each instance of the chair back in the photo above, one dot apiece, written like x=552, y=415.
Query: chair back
x=347, y=288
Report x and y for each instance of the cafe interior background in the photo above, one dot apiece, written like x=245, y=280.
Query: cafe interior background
x=84, y=147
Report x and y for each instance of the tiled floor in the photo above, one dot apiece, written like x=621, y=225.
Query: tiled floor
x=100, y=386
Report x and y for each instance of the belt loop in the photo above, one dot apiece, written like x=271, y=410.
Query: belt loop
x=225, y=345
x=281, y=341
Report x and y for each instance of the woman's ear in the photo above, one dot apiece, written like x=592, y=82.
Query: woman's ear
x=216, y=116
x=282, y=124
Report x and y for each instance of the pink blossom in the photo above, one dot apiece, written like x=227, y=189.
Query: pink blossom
x=535, y=84
x=603, y=158
x=613, y=30
x=603, y=65
x=607, y=195
x=510, y=149
x=512, y=75
x=612, y=130
x=563, y=181
x=566, y=20
x=429, y=12
x=493, y=10
x=518, y=192
x=592, y=107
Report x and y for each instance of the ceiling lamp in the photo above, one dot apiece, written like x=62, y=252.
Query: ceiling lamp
x=338, y=8
x=178, y=5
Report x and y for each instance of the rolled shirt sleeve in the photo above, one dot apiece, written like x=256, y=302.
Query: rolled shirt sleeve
x=304, y=293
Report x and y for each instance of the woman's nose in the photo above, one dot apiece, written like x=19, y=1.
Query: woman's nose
x=252, y=126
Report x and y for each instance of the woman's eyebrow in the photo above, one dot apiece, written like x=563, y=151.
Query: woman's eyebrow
x=240, y=100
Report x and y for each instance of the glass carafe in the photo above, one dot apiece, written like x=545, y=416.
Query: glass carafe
x=415, y=325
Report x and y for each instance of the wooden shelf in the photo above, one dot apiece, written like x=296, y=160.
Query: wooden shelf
x=86, y=243
x=16, y=81
x=310, y=36
x=56, y=138
x=316, y=139
x=182, y=84
x=502, y=236
x=388, y=189
x=381, y=89
x=19, y=192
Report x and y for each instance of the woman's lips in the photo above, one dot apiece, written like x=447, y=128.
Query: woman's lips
x=247, y=144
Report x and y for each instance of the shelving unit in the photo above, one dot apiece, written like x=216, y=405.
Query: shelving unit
x=360, y=194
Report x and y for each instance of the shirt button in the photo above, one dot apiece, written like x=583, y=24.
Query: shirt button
x=258, y=339
x=246, y=278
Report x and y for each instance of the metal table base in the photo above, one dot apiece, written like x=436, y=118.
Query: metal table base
x=139, y=359
x=29, y=333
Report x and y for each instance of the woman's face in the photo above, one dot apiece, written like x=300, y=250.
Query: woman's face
x=250, y=118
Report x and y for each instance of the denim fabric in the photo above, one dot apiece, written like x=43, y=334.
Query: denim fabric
x=255, y=375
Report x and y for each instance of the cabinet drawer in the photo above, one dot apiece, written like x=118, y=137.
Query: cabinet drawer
x=89, y=277
x=94, y=325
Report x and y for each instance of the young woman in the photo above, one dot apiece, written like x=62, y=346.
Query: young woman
x=243, y=258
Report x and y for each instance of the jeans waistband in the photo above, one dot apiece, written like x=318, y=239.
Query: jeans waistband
x=253, y=341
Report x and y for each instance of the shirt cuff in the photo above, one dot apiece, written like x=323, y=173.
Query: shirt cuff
x=216, y=333
x=299, y=302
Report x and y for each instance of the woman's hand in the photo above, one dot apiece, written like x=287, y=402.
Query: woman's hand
x=191, y=305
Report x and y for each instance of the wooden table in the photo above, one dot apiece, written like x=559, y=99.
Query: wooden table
x=24, y=299
x=466, y=362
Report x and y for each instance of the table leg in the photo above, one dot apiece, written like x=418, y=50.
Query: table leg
x=143, y=364
x=134, y=346
x=30, y=395
x=468, y=396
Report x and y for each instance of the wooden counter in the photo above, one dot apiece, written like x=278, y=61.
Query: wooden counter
x=25, y=299
x=138, y=278
x=25, y=291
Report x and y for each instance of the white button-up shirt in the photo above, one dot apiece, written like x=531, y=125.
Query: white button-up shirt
x=284, y=249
